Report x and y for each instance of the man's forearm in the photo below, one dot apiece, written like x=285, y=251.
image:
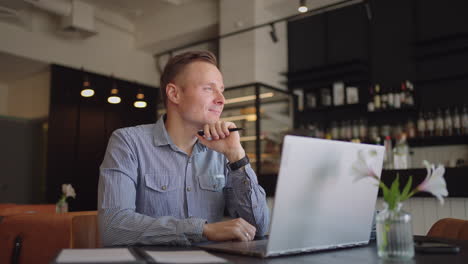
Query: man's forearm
x=246, y=199
x=126, y=227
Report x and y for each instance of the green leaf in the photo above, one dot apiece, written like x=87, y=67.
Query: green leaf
x=394, y=193
x=405, y=194
x=385, y=191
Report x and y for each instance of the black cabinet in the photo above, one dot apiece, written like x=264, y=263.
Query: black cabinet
x=435, y=19
x=346, y=34
x=391, y=33
x=307, y=43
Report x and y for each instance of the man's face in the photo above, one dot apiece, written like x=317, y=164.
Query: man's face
x=201, y=96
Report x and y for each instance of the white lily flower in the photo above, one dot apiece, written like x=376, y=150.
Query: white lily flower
x=68, y=191
x=365, y=164
x=434, y=182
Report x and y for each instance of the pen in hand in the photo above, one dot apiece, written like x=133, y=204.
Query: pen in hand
x=201, y=132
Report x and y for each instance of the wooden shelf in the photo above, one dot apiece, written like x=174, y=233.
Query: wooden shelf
x=438, y=141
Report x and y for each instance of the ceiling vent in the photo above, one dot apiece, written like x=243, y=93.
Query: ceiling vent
x=77, y=17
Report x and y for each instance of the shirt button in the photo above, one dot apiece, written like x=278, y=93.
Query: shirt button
x=189, y=189
x=164, y=187
x=246, y=182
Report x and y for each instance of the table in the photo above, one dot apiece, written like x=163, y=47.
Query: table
x=361, y=255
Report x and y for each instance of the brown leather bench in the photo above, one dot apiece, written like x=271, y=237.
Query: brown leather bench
x=43, y=235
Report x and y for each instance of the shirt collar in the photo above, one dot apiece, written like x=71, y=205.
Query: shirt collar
x=162, y=138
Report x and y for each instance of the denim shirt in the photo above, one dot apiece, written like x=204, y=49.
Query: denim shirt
x=151, y=192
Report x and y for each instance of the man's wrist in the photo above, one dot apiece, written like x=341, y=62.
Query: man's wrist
x=235, y=155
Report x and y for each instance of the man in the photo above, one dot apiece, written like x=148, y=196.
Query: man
x=164, y=184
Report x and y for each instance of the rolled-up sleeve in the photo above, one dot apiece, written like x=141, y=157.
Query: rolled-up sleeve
x=119, y=224
x=245, y=198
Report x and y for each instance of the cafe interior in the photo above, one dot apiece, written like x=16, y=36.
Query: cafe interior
x=379, y=72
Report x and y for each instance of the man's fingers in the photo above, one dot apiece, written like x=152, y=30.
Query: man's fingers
x=225, y=128
x=214, y=133
x=248, y=229
x=219, y=130
x=241, y=234
x=206, y=130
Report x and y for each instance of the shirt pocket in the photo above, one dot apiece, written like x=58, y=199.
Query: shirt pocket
x=161, y=183
x=214, y=182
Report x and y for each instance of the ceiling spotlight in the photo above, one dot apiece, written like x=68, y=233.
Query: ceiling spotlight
x=86, y=91
x=114, y=97
x=140, y=102
x=273, y=35
x=302, y=6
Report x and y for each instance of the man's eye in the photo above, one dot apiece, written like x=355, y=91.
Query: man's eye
x=208, y=88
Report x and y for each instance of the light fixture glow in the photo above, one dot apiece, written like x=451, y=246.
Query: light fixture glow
x=114, y=98
x=87, y=92
x=302, y=6
x=140, y=104
x=247, y=98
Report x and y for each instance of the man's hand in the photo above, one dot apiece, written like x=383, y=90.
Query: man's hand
x=223, y=141
x=236, y=229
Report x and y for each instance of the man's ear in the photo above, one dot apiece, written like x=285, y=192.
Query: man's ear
x=173, y=93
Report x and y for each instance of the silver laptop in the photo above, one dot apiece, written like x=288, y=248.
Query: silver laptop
x=318, y=203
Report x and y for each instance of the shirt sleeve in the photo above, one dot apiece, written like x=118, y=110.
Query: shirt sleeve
x=119, y=224
x=245, y=198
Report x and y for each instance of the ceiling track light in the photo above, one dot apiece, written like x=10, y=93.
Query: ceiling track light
x=273, y=35
x=140, y=102
x=114, y=97
x=86, y=90
x=302, y=6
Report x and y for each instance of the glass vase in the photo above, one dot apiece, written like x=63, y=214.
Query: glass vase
x=394, y=233
x=61, y=207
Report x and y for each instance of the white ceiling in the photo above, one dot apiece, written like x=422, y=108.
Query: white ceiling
x=14, y=68
x=133, y=9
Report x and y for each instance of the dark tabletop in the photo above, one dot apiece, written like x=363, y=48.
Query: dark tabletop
x=364, y=254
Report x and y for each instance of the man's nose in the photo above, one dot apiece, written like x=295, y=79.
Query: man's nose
x=219, y=99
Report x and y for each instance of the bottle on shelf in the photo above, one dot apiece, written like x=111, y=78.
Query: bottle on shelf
x=355, y=129
x=430, y=125
x=391, y=98
x=439, y=123
x=448, y=124
x=383, y=98
x=401, y=153
x=377, y=99
x=409, y=96
x=464, y=121
x=335, y=132
x=342, y=130
x=397, y=99
x=410, y=128
x=326, y=97
x=373, y=133
x=421, y=123
x=456, y=122
x=311, y=100
x=370, y=104
x=388, y=155
x=349, y=130
x=363, y=129
x=403, y=95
